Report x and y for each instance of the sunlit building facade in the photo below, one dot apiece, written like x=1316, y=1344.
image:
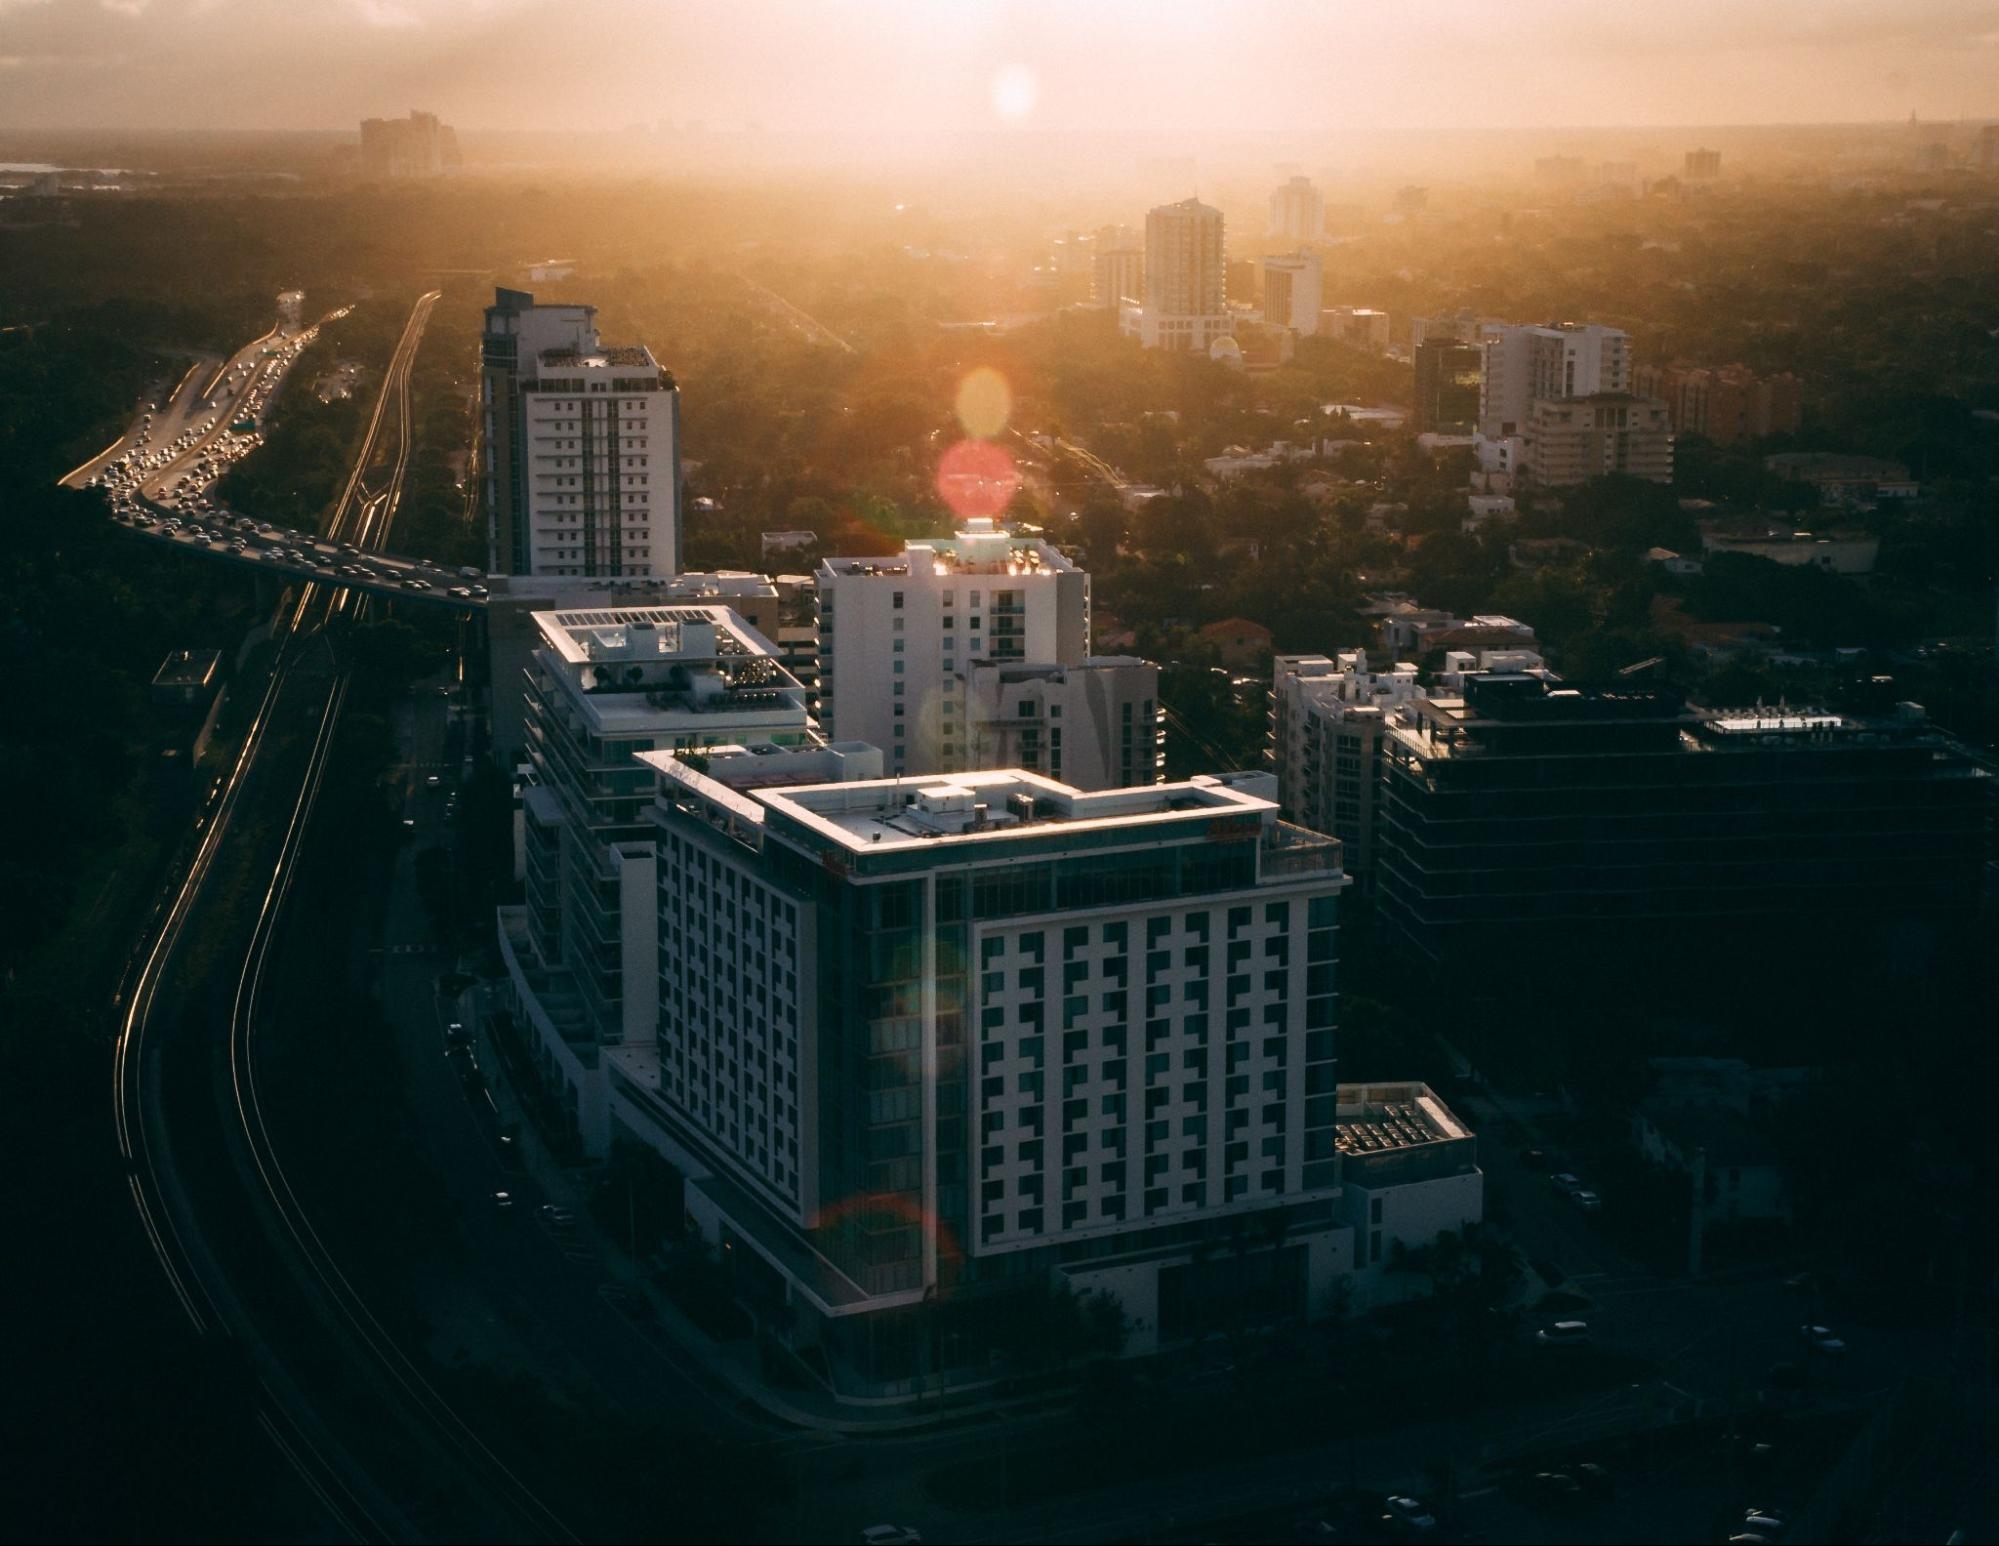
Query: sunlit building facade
x=894, y=633
x=580, y=448
x=931, y=1042
x=1186, y=279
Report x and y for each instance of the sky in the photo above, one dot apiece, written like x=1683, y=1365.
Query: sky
x=1189, y=67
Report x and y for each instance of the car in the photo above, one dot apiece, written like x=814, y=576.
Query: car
x=1563, y=1334
x=504, y=1201
x=455, y=1035
x=1535, y=1159
x=1556, y=1487
x=889, y=1535
x=1595, y=1479
x=1411, y=1516
x=556, y=1218
x=1588, y=1201
x=1563, y=1181
x=1822, y=1339
x=431, y=781
x=1765, y=1523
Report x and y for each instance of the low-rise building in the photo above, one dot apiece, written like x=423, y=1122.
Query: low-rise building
x=1837, y=552
x=1571, y=440
x=1740, y=1175
x=1241, y=643
x=1358, y=327
x=1845, y=480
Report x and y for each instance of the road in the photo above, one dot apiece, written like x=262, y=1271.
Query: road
x=186, y=1215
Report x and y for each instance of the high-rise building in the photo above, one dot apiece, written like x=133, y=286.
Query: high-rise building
x=1293, y=290
x=581, y=448
x=1117, y=267
x=1529, y=809
x=1009, y=1032
x=1560, y=360
x=1448, y=379
x=895, y=632
x=513, y=634
x=1703, y=165
x=1186, y=276
x=1297, y=212
x=1097, y=725
x=1725, y=405
x=1570, y=440
x=1326, y=721
x=416, y=146
x=604, y=686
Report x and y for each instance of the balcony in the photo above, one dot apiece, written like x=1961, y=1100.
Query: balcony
x=1289, y=853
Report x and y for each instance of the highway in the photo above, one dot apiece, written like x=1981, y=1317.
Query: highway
x=159, y=477
x=189, y=1234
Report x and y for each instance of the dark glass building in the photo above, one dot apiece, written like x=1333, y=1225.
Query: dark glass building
x=1605, y=817
x=1447, y=382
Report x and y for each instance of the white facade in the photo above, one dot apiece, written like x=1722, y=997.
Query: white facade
x=895, y=632
x=1097, y=725
x=1297, y=212
x=604, y=687
x=513, y=635
x=1186, y=289
x=1557, y=361
x=1139, y=1029
x=1293, y=286
x=1326, y=719
x=582, y=446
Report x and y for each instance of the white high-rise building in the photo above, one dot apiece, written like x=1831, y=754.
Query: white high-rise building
x=1186, y=281
x=895, y=632
x=1293, y=291
x=1097, y=725
x=1117, y=267
x=603, y=686
x=1011, y=1028
x=1297, y=212
x=581, y=449
x=1326, y=718
x=1568, y=359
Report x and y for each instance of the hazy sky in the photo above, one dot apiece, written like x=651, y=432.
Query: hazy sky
x=928, y=65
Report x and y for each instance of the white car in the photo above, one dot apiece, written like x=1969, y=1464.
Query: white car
x=1822, y=1339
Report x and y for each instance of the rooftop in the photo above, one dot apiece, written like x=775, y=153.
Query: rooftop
x=648, y=633
x=981, y=546
x=966, y=807
x=1373, y=1119
x=188, y=668
x=604, y=354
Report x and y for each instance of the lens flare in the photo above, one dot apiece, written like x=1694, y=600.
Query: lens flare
x=977, y=478
x=985, y=403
